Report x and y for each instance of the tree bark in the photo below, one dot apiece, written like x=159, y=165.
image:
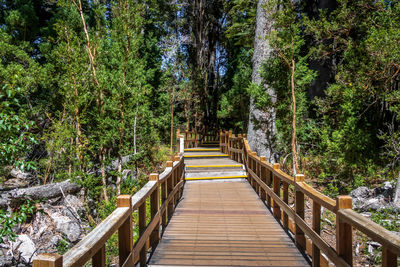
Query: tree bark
x=48, y=191
x=261, y=130
x=172, y=117
x=396, y=201
x=294, y=134
x=100, y=100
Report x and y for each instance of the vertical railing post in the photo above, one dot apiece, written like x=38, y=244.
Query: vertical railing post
x=256, y=171
x=170, y=206
x=178, y=147
x=99, y=259
x=277, y=190
x=285, y=188
x=221, y=148
x=253, y=168
x=263, y=177
x=389, y=259
x=316, y=225
x=48, y=260
x=226, y=142
x=344, y=232
x=154, y=207
x=268, y=182
x=186, y=139
x=176, y=180
x=229, y=144
x=142, y=228
x=239, y=146
x=125, y=235
x=299, y=208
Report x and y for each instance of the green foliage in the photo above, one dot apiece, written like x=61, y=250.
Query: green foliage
x=14, y=131
x=17, y=79
x=62, y=246
x=288, y=45
x=352, y=113
x=8, y=221
x=353, y=126
x=234, y=103
x=241, y=26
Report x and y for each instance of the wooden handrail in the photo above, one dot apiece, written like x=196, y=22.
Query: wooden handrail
x=168, y=186
x=268, y=180
x=194, y=139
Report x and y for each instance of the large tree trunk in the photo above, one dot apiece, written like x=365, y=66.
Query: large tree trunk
x=396, y=200
x=261, y=131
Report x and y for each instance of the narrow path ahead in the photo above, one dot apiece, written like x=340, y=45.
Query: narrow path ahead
x=223, y=223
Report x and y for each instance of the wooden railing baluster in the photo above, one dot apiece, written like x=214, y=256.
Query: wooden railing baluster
x=316, y=225
x=170, y=207
x=263, y=176
x=125, y=235
x=99, y=259
x=285, y=189
x=299, y=208
x=344, y=232
x=277, y=190
x=142, y=228
x=154, y=208
x=389, y=259
x=164, y=195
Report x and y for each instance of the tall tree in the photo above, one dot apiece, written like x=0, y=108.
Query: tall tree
x=262, y=130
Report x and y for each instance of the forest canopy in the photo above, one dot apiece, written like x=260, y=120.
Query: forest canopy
x=90, y=89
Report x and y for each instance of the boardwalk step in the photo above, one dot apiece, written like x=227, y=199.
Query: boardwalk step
x=215, y=175
x=200, y=149
x=202, y=167
x=206, y=156
x=210, y=145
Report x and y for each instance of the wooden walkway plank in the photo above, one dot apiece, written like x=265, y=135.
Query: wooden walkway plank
x=224, y=224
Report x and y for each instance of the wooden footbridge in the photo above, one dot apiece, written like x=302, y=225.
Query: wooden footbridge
x=219, y=204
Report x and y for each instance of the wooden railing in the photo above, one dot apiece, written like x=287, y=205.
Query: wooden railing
x=168, y=185
x=272, y=185
x=195, y=139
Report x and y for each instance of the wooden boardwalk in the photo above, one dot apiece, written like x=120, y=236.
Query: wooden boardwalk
x=220, y=219
x=224, y=223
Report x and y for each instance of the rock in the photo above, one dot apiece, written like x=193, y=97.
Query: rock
x=360, y=192
x=55, y=240
x=5, y=259
x=385, y=191
x=73, y=202
x=16, y=173
x=26, y=248
x=128, y=173
x=69, y=227
x=359, y=196
x=373, y=204
x=357, y=249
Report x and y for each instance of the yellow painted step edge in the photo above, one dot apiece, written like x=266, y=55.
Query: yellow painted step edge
x=204, y=156
x=212, y=166
x=216, y=177
x=201, y=149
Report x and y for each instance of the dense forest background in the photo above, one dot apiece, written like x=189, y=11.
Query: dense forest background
x=93, y=91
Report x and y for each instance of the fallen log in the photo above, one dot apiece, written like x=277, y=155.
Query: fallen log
x=14, y=197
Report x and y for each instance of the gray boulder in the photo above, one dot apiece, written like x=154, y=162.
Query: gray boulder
x=25, y=246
